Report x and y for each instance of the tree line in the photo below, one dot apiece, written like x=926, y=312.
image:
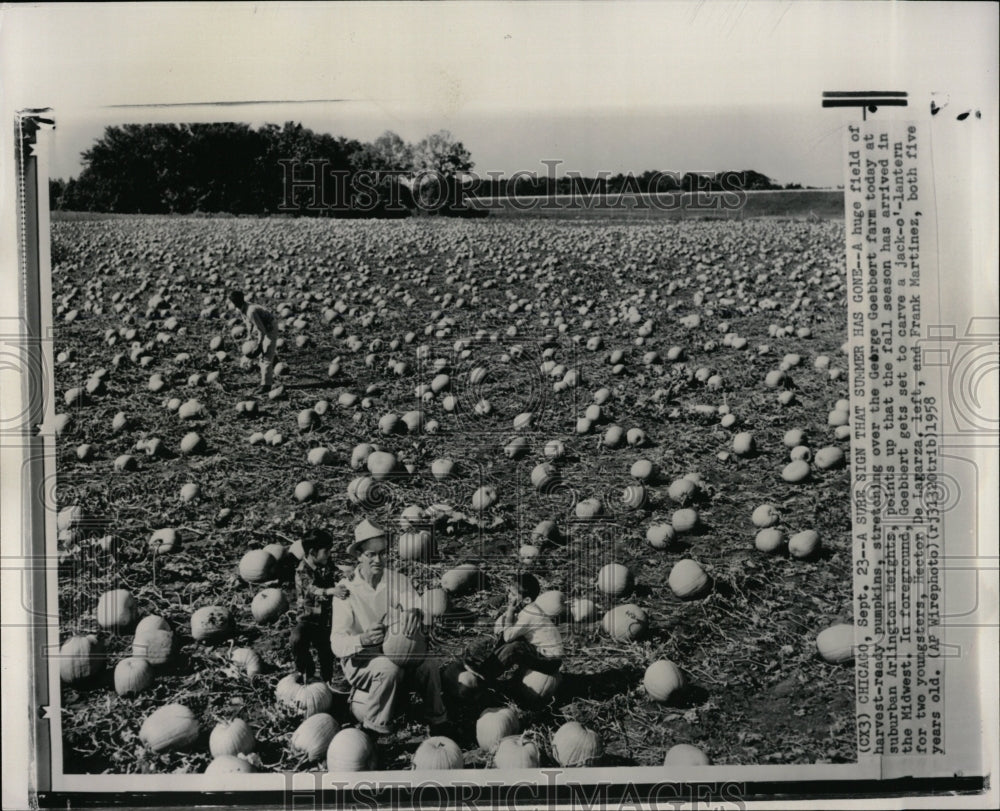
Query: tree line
x=238, y=169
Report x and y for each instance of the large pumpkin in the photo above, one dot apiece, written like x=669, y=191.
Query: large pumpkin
x=684, y=754
x=268, y=605
x=287, y=689
x=81, y=658
x=211, y=624
x=614, y=579
x=514, y=752
x=433, y=603
x=687, y=579
x=172, y=726
x=494, y=725
x=574, y=745
x=155, y=646
x=662, y=679
x=248, y=659
x=461, y=579
x=401, y=649
x=313, y=698
x=229, y=764
x=438, y=752
x=626, y=622
x=117, y=610
x=459, y=683
x=836, y=643
x=351, y=750
x=132, y=676
x=151, y=623
x=312, y=737
x=416, y=545
x=257, y=565
x=540, y=686
x=231, y=738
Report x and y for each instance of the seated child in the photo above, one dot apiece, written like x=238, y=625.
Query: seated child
x=315, y=583
x=531, y=641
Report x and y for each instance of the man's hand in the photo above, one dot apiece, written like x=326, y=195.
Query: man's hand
x=373, y=635
x=340, y=591
x=411, y=621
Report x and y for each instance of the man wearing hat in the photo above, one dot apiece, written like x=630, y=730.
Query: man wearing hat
x=261, y=325
x=379, y=686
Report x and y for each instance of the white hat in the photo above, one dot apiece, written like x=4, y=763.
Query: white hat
x=364, y=531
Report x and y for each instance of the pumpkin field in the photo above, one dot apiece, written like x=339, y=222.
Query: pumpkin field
x=648, y=416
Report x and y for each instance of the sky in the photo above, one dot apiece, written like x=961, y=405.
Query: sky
x=681, y=86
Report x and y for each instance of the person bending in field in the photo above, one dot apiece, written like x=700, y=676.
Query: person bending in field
x=379, y=686
x=526, y=637
x=314, y=586
x=260, y=325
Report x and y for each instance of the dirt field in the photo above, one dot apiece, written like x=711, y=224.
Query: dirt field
x=524, y=296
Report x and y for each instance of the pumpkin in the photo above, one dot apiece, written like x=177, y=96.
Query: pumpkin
x=156, y=646
x=634, y=497
x=438, y=752
x=516, y=448
x=687, y=579
x=574, y=745
x=192, y=443
x=165, y=540
x=461, y=579
x=543, y=475
x=626, y=622
x=514, y=752
x=484, y=498
x=582, y=610
x=211, y=624
x=320, y=456
x=414, y=421
x=635, y=437
x=643, y=470
x=793, y=438
x=684, y=520
x=662, y=679
x=660, y=536
x=381, y=464
x=350, y=750
x=829, y=457
x=415, y=546
x=796, y=471
x=229, y=764
x=257, y=565
x=287, y=688
x=190, y=410
x=588, y=508
x=360, y=454
x=305, y=491
x=360, y=489
x=401, y=649
x=132, y=676
x=836, y=643
x=744, y=444
x=613, y=436
x=313, y=698
x=540, y=686
x=495, y=724
x=172, y=726
x=189, y=492
x=442, y=469
x=116, y=610
x=614, y=579
x=433, y=604
x=308, y=420
x=268, y=605
x=126, y=463
x=803, y=544
x=684, y=754
x=248, y=659
x=766, y=515
x=81, y=658
x=459, y=682
x=545, y=531
x=682, y=491
x=770, y=540
x=312, y=737
x=231, y=738
x=151, y=623
x=552, y=603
